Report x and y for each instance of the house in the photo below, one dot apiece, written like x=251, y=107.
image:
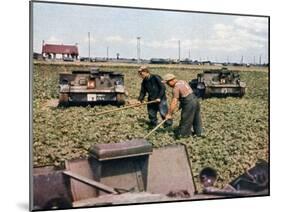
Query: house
x=50, y=51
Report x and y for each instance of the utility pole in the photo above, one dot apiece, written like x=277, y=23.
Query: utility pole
x=43, y=43
x=189, y=54
x=138, y=49
x=179, y=43
x=254, y=60
x=89, y=38
x=107, y=50
x=260, y=59
x=241, y=62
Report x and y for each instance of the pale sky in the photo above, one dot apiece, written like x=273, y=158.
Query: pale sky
x=206, y=36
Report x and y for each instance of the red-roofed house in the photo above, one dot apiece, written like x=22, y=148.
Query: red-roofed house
x=51, y=50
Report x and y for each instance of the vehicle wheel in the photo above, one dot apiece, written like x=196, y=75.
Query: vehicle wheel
x=120, y=98
x=207, y=92
x=242, y=92
x=63, y=100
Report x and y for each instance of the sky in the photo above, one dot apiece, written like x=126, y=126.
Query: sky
x=219, y=38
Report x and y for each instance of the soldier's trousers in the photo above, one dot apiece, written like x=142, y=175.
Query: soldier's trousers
x=162, y=108
x=190, y=116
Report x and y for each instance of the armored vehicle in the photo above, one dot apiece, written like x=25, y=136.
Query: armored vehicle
x=91, y=87
x=219, y=83
x=132, y=172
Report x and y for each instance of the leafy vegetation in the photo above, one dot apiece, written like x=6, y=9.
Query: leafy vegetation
x=236, y=129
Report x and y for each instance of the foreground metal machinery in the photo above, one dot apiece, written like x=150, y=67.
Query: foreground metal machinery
x=219, y=83
x=91, y=87
x=131, y=172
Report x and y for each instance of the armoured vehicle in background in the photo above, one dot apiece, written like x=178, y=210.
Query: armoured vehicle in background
x=91, y=87
x=219, y=83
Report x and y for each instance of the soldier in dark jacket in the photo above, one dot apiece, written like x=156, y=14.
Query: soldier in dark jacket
x=152, y=84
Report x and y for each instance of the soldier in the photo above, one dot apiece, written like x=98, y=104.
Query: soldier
x=152, y=84
x=189, y=104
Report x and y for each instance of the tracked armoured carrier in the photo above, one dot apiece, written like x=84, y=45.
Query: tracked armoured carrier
x=84, y=87
x=218, y=83
x=133, y=172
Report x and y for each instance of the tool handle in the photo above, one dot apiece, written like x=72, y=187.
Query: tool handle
x=162, y=122
x=126, y=107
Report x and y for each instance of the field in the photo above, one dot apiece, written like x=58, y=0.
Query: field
x=236, y=129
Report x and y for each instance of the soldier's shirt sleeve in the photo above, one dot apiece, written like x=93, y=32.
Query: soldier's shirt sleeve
x=176, y=92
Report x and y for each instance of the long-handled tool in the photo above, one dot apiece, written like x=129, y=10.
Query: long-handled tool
x=162, y=122
x=160, y=125
x=126, y=107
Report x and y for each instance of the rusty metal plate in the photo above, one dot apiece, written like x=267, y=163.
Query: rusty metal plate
x=80, y=190
x=50, y=189
x=169, y=170
x=127, y=173
x=127, y=198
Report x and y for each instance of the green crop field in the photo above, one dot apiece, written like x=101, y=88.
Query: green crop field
x=236, y=129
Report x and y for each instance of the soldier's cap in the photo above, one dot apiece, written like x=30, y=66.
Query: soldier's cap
x=168, y=77
x=143, y=68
